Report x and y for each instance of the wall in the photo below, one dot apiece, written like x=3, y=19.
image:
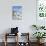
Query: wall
x=28, y=15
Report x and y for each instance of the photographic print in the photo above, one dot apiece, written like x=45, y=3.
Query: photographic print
x=17, y=12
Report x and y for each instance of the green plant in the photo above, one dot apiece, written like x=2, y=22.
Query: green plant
x=35, y=26
x=38, y=27
x=42, y=27
x=39, y=35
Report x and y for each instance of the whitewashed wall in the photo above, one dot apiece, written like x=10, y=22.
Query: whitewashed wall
x=28, y=15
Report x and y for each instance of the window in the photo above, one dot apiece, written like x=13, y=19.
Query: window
x=41, y=8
